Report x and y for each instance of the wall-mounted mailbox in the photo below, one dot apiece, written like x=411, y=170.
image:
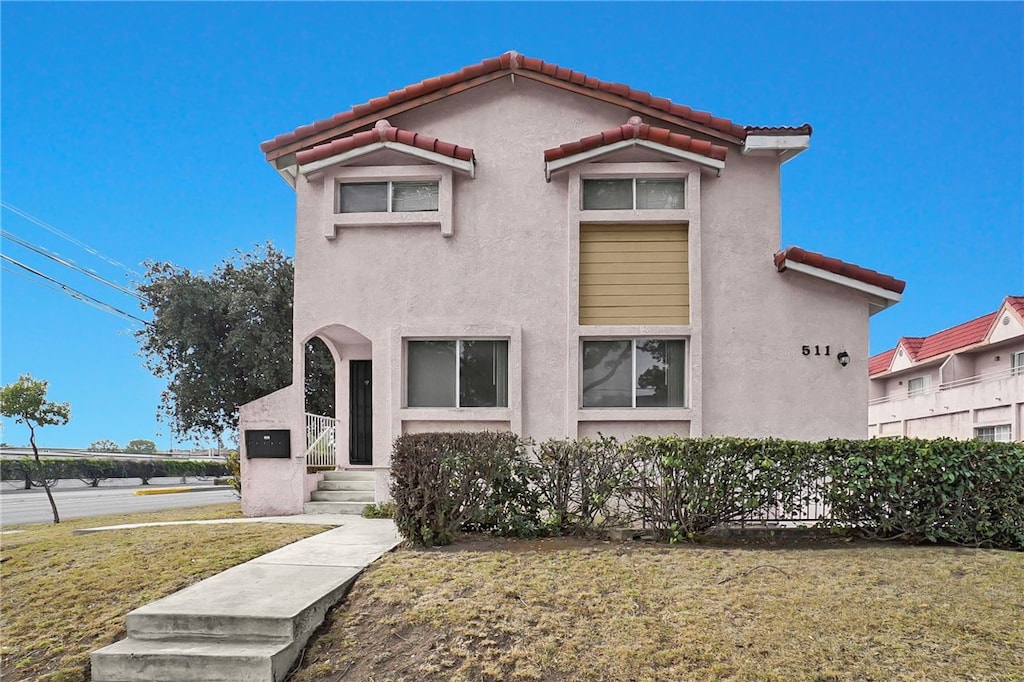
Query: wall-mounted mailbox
x=268, y=443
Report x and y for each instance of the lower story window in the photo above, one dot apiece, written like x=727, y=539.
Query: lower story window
x=993, y=434
x=634, y=373
x=457, y=373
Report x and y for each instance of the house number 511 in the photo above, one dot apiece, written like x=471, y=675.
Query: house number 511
x=806, y=350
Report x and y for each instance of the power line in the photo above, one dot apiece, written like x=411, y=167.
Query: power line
x=72, y=292
x=54, y=230
x=67, y=263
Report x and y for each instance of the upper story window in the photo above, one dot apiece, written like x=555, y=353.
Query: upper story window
x=457, y=373
x=918, y=385
x=633, y=193
x=1017, y=363
x=634, y=373
x=388, y=196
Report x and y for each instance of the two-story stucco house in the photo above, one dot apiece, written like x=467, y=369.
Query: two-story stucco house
x=518, y=246
x=963, y=382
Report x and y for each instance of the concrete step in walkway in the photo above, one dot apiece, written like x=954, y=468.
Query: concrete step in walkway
x=250, y=622
x=342, y=492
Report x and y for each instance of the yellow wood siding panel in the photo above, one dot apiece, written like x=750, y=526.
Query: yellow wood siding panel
x=634, y=274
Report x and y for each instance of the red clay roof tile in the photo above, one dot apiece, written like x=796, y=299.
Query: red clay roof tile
x=635, y=129
x=512, y=61
x=946, y=341
x=880, y=363
x=383, y=132
x=838, y=267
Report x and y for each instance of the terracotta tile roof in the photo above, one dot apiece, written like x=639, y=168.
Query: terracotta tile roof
x=963, y=335
x=880, y=363
x=804, y=129
x=383, y=132
x=912, y=344
x=834, y=265
x=636, y=129
x=1017, y=303
x=530, y=67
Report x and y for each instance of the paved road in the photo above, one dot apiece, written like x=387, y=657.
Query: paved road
x=31, y=506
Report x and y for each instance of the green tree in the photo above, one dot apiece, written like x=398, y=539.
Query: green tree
x=223, y=339
x=141, y=446
x=104, y=445
x=25, y=401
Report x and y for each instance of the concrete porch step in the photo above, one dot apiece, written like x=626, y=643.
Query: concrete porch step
x=350, y=475
x=342, y=496
x=364, y=486
x=198, y=660
x=334, y=507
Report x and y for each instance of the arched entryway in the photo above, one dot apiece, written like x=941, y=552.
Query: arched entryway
x=339, y=432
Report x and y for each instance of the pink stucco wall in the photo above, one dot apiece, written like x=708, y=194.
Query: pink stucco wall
x=274, y=487
x=510, y=270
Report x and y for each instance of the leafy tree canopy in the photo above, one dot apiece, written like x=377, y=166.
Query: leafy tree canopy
x=25, y=402
x=141, y=446
x=104, y=445
x=221, y=340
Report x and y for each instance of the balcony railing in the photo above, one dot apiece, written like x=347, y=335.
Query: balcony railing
x=320, y=442
x=985, y=378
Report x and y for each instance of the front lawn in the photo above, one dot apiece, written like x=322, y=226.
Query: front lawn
x=65, y=595
x=571, y=610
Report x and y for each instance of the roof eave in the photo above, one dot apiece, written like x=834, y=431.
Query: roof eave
x=878, y=298
x=705, y=162
x=784, y=146
x=312, y=168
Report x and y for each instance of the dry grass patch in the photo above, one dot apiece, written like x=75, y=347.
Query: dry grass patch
x=65, y=595
x=564, y=610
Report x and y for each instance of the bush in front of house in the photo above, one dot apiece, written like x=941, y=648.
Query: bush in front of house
x=961, y=492
x=442, y=482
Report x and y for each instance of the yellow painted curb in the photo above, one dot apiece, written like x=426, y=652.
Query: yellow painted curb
x=163, y=491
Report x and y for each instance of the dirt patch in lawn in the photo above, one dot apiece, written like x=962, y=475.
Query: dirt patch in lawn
x=783, y=607
x=65, y=595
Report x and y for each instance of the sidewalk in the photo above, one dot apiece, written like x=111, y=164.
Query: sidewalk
x=252, y=621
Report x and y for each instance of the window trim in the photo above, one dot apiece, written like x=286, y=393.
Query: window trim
x=682, y=178
x=333, y=221
x=633, y=387
x=458, y=372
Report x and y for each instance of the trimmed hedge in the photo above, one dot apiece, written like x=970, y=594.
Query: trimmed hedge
x=960, y=492
x=92, y=470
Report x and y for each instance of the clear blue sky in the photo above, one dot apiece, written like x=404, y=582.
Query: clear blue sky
x=135, y=128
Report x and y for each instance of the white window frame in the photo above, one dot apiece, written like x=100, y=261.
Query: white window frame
x=390, y=194
x=458, y=372
x=680, y=178
x=333, y=221
x=982, y=432
x=1017, y=363
x=633, y=340
x=926, y=382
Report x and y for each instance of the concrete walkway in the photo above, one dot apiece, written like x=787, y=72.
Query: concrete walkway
x=252, y=621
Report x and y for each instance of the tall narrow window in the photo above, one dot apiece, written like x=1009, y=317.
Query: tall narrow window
x=457, y=373
x=634, y=373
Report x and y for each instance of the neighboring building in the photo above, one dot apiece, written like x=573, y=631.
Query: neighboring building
x=964, y=382
x=517, y=246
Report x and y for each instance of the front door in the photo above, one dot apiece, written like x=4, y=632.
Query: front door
x=360, y=419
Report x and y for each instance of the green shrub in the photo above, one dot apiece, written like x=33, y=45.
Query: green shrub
x=960, y=492
x=583, y=484
x=441, y=482
x=93, y=470
x=384, y=510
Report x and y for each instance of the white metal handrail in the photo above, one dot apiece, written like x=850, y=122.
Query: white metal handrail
x=987, y=377
x=320, y=441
